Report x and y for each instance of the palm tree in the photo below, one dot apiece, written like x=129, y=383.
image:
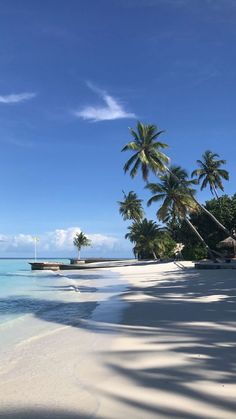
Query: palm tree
x=80, y=240
x=210, y=172
x=147, y=155
x=177, y=200
x=144, y=234
x=131, y=208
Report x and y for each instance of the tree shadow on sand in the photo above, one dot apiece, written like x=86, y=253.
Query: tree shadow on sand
x=191, y=316
x=37, y=413
x=186, y=314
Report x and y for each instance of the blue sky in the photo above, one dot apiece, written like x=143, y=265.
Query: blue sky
x=73, y=77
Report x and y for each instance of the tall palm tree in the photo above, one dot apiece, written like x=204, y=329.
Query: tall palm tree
x=147, y=155
x=144, y=234
x=131, y=207
x=177, y=201
x=80, y=240
x=210, y=173
x=147, y=151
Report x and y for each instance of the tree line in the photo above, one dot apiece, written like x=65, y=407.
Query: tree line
x=178, y=208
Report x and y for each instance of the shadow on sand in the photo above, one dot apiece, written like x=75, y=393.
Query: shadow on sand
x=35, y=413
x=190, y=313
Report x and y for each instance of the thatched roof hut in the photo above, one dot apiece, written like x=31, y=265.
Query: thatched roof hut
x=229, y=244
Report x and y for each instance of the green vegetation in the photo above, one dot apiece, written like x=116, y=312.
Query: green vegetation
x=80, y=240
x=131, y=207
x=151, y=241
x=223, y=208
x=147, y=155
x=178, y=208
x=147, y=151
x=176, y=198
x=210, y=172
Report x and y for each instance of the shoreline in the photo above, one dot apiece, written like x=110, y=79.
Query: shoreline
x=169, y=353
x=30, y=363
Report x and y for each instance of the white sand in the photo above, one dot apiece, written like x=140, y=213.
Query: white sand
x=171, y=355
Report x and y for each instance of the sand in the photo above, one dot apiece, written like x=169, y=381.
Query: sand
x=164, y=347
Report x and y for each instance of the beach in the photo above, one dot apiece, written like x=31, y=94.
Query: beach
x=147, y=341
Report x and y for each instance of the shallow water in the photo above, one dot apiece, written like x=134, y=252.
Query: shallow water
x=35, y=303
x=18, y=283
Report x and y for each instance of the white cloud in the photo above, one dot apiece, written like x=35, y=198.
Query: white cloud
x=57, y=241
x=112, y=110
x=16, y=97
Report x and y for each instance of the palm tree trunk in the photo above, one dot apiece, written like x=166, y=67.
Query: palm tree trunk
x=214, y=219
x=154, y=255
x=200, y=238
x=216, y=194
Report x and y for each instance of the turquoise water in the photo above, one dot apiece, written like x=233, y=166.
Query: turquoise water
x=56, y=298
x=36, y=305
x=19, y=284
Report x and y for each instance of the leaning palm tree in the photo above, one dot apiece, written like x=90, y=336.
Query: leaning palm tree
x=131, y=207
x=210, y=172
x=80, y=240
x=147, y=155
x=144, y=235
x=177, y=201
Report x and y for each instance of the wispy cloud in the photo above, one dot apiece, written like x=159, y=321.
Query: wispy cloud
x=112, y=110
x=16, y=97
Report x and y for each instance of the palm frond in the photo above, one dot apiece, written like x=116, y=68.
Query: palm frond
x=156, y=198
x=224, y=174
x=141, y=130
x=130, y=146
x=145, y=171
x=155, y=187
x=134, y=134
x=130, y=162
x=197, y=172
x=164, y=211
x=134, y=170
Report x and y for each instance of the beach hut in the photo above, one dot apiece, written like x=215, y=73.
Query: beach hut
x=229, y=247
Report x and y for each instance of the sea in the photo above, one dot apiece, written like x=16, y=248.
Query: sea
x=33, y=303
x=21, y=289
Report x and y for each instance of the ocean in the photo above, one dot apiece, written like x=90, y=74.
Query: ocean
x=20, y=287
x=34, y=303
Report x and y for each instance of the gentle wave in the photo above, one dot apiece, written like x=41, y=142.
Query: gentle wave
x=34, y=303
x=45, y=273
x=12, y=322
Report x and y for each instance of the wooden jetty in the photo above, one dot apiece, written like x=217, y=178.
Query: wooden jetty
x=91, y=263
x=42, y=266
